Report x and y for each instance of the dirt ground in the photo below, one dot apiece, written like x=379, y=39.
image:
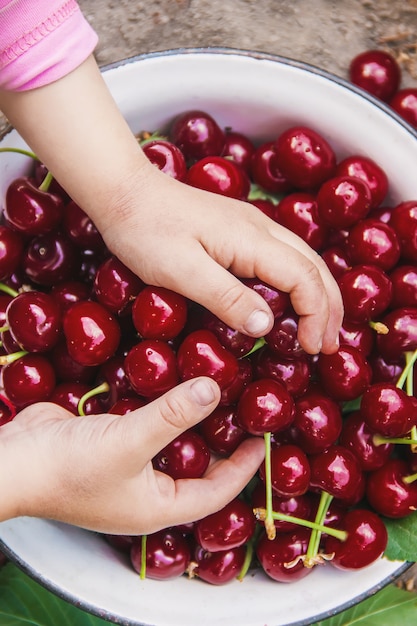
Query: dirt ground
x=326, y=33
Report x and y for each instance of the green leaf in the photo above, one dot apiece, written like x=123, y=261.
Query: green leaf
x=23, y=602
x=389, y=607
x=402, y=538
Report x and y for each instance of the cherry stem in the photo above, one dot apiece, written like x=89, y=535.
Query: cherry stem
x=4, y=328
x=379, y=327
x=269, y=520
x=5, y=359
x=250, y=549
x=260, y=514
x=411, y=358
x=28, y=153
x=103, y=388
x=259, y=343
x=409, y=479
x=142, y=573
x=147, y=137
x=314, y=543
x=8, y=290
x=46, y=183
x=379, y=440
x=256, y=193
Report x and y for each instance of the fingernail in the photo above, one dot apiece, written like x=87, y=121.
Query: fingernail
x=203, y=392
x=257, y=323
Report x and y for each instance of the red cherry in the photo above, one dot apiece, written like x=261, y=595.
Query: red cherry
x=167, y=157
x=219, y=175
x=366, y=292
x=372, y=242
x=377, y=72
x=151, y=367
x=231, y=394
x=293, y=373
x=115, y=285
x=388, y=493
x=281, y=558
x=217, y=568
x=187, y=456
x=404, y=286
x=236, y=342
x=265, y=406
x=7, y=410
x=359, y=439
x=239, y=148
x=167, y=554
x=30, y=210
x=337, y=260
x=29, y=379
x=342, y=201
x=69, y=394
x=317, y=422
x=228, y=528
x=360, y=166
x=296, y=506
x=264, y=169
x=401, y=336
x=50, y=258
x=66, y=368
x=336, y=470
x=201, y=354
x=277, y=300
x=11, y=249
x=404, y=221
x=304, y=157
x=290, y=470
x=91, y=332
x=159, y=313
x=388, y=410
x=299, y=213
x=283, y=336
x=66, y=293
x=361, y=337
x=34, y=320
x=366, y=540
x=221, y=432
x=80, y=229
x=197, y=134
x=404, y=102
x=345, y=374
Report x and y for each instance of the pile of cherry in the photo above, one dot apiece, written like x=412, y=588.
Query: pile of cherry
x=78, y=328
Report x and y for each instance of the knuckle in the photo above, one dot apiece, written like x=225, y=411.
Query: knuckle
x=231, y=298
x=174, y=411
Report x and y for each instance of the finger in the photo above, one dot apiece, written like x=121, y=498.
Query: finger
x=191, y=500
x=207, y=282
x=164, y=419
x=335, y=304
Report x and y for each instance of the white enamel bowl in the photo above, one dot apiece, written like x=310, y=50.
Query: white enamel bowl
x=261, y=95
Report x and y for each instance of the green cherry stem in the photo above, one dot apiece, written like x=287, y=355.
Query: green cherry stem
x=409, y=479
x=314, y=543
x=334, y=532
x=379, y=440
x=28, y=153
x=46, y=183
x=259, y=343
x=250, y=549
x=143, y=541
x=269, y=520
x=5, y=359
x=8, y=290
x=103, y=388
x=410, y=359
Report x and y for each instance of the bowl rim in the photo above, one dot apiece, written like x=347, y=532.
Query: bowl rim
x=55, y=588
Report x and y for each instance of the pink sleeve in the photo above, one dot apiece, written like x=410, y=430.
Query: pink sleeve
x=41, y=41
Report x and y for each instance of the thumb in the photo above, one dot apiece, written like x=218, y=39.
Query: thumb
x=176, y=411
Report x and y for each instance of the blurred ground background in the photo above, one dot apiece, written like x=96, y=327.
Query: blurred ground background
x=327, y=33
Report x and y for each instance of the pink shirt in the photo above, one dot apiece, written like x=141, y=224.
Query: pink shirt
x=41, y=41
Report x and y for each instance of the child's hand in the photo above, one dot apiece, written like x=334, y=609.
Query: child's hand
x=196, y=243
x=96, y=471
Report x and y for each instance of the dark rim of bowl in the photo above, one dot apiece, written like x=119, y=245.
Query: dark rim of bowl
x=253, y=54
